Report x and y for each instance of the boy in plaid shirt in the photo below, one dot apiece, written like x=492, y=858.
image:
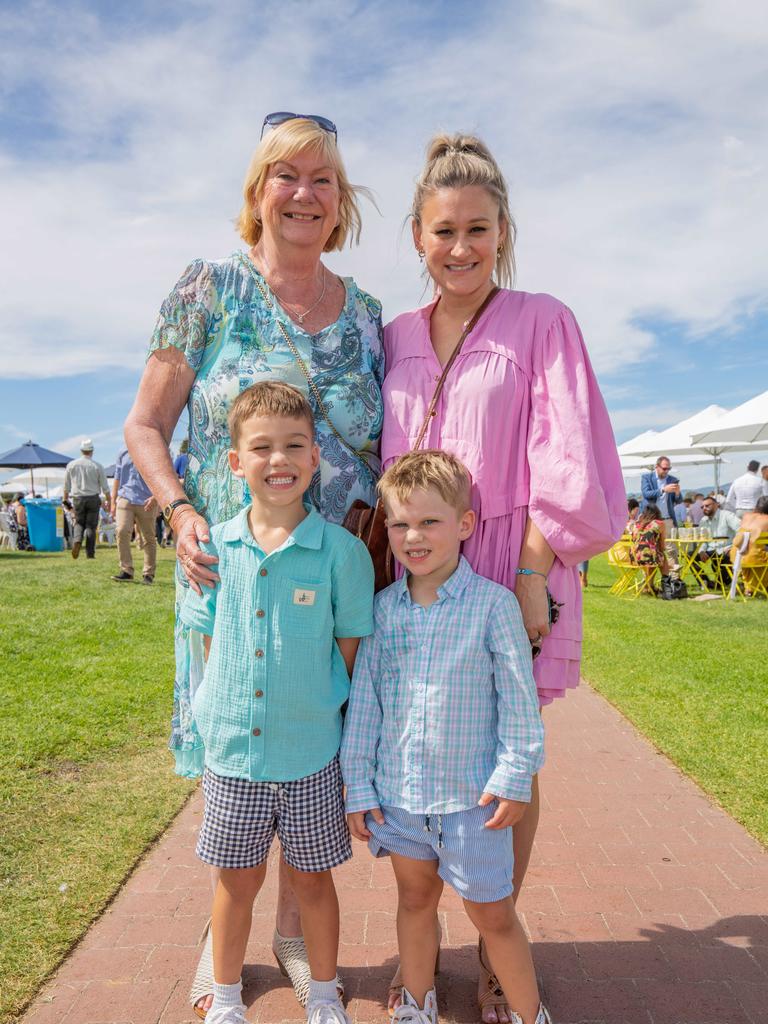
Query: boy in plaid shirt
x=443, y=735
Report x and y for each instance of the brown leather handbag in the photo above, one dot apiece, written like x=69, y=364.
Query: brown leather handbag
x=369, y=523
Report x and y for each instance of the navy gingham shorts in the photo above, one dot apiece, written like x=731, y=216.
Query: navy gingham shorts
x=241, y=818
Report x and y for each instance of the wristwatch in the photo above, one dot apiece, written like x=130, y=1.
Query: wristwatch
x=171, y=507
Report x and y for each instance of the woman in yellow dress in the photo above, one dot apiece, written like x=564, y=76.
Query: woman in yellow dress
x=754, y=561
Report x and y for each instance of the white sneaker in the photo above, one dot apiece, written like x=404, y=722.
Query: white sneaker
x=327, y=1011
x=226, y=1014
x=409, y=1012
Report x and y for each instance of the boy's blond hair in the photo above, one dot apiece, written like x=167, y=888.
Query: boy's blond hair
x=418, y=471
x=269, y=398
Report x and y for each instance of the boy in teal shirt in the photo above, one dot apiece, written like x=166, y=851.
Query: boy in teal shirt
x=282, y=627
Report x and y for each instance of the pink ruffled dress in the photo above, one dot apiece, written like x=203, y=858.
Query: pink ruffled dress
x=522, y=409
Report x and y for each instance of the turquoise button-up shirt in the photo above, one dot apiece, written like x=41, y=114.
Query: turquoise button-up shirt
x=269, y=706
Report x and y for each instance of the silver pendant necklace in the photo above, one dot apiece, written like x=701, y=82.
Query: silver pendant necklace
x=300, y=316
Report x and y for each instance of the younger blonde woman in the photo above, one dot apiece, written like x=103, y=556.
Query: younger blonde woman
x=522, y=410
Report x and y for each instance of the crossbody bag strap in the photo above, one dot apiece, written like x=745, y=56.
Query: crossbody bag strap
x=452, y=359
x=305, y=371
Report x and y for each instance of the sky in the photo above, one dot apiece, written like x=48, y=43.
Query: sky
x=633, y=137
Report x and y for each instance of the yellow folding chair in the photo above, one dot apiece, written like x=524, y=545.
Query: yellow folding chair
x=622, y=561
x=753, y=572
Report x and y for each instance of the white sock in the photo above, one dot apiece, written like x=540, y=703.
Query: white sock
x=228, y=995
x=325, y=990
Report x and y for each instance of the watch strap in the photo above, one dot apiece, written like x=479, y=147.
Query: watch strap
x=171, y=507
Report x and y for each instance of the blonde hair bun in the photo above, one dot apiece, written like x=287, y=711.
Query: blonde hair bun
x=458, y=161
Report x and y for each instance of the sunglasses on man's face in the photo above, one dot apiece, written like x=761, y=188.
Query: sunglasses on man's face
x=279, y=117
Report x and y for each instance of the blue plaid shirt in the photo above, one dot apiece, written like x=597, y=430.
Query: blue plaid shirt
x=443, y=704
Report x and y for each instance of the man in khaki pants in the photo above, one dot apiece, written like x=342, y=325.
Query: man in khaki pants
x=133, y=505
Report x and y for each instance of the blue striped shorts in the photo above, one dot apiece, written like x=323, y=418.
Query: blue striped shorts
x=475, y=861
x=241, y=818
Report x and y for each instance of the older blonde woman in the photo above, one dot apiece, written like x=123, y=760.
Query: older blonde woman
x=271, y=311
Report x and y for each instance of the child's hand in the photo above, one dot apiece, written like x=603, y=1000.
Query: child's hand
x=508, y=813
x=356, y=823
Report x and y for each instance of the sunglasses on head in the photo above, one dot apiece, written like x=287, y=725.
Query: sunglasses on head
x=279, y=117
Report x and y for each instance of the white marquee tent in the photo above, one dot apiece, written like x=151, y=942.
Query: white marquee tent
x=747, y=424
x=675, y=441
x=49, y=482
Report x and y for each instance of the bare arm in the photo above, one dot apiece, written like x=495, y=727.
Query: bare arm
x=163, y=391
x=348, y=646
x=113, y=502
x=531, y=591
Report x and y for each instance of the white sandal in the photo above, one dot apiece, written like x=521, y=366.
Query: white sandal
x=291, y=956
x=202, y=983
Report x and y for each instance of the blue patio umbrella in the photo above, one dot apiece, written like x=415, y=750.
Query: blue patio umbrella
x=30, y=455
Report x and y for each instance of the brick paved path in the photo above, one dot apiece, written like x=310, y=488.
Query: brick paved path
x=645, y=904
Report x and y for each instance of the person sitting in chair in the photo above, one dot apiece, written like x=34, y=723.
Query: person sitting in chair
x=754, y=561
x=648, y=540
x=722, y=526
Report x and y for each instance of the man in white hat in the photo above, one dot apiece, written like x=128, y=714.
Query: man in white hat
x=85, y=480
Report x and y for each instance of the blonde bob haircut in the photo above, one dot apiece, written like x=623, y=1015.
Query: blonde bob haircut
x=456, y=161
x=269, y=398
x=422, y=470
x=282, y=143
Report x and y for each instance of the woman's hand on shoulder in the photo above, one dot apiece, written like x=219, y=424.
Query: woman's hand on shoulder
x=191, y=529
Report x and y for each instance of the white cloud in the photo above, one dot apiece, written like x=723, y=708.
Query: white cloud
x=633, y=136
x=103, y=441
x=635, y=418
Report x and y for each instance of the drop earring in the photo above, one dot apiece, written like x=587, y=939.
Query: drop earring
x=421, y=254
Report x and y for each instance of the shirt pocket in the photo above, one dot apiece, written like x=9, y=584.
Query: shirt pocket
x=304, y=611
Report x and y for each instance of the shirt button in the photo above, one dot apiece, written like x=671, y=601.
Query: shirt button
x=262, y=572
x=257, y=732
x=437, y=377
x=259, y=653
x=260, y=613
x=259, y=693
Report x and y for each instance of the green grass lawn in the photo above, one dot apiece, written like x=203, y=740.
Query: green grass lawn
x=693, y=677
x=85, y=781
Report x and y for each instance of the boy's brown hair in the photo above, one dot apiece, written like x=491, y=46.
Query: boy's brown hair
x=269, y=398
x=418, y=471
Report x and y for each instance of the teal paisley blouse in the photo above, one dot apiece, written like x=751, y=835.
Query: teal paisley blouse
x=217, y=317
